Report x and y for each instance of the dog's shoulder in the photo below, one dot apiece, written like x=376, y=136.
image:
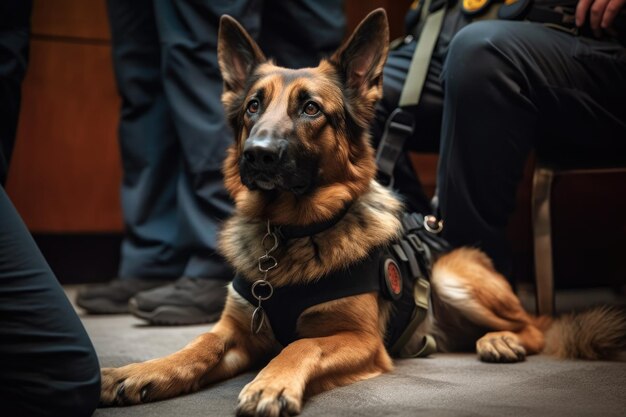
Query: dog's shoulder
x=372, y=221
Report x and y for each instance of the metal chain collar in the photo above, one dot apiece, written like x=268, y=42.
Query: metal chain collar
x=266, y=263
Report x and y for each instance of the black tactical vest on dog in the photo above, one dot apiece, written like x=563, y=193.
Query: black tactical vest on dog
x=393, y=271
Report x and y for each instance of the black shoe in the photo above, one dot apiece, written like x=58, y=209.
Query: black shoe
x=112, y=297
x=187, y=301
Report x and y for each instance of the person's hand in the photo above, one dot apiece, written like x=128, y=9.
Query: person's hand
x=601, y=13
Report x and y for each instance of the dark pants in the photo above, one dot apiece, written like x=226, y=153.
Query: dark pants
x=172, y=130
x=14, y=36
x=48, y=366
x=509, y=88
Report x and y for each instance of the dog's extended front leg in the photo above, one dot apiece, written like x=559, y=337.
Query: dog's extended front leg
x=309, y=366
x=165, y=377
x=224, y=352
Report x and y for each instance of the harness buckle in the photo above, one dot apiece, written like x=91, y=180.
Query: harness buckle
x=432, y=224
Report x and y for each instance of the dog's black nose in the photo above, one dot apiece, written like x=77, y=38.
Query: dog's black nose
x=263, y=152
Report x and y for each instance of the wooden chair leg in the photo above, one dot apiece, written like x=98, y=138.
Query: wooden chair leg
x=544, y=274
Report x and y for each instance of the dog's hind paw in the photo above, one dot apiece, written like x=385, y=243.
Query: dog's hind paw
x=502, y=347
x=259, y=399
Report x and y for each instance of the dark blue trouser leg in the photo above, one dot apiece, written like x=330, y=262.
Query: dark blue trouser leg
x=511, y=87
x=14, y=36
x=152, y=246
x=48, y=366
x=193, y=87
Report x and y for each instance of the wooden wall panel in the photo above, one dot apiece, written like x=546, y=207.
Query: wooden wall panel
x=425, y=165
x=65, y=171
x=83, y=19
x=356, y=10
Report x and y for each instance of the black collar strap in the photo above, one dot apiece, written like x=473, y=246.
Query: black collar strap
x=287, y=232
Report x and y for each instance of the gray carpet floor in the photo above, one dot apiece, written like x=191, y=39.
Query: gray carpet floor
x=440, y=386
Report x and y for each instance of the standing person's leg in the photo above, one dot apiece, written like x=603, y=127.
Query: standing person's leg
x=151, y=252
x=48, y=364
x=150, y=152
x=193, y=87
x=14, y=36
x=509, y=87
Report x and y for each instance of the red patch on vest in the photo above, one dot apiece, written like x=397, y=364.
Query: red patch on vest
x=393, y=277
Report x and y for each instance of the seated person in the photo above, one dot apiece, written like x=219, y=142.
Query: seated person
x=497, y=89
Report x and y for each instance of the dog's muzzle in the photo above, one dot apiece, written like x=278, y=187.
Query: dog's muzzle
x=267, y=164
x=263, y=153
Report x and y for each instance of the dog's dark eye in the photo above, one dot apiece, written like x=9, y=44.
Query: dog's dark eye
x=253, y=106
x=311, y=108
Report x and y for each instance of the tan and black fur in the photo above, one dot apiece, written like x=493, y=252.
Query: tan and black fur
x=297, y=163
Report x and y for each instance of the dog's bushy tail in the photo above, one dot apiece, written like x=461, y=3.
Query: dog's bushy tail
x=598, y=333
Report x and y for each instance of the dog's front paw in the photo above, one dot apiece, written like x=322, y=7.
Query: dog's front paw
x=142, y=382
x=124, y=386
x=269, y=398
x=503, y=347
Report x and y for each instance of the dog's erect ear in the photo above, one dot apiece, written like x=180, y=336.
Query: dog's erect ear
x=237, y=54
x=362, y=57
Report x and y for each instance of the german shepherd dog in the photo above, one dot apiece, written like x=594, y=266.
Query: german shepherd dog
x=301, y=157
